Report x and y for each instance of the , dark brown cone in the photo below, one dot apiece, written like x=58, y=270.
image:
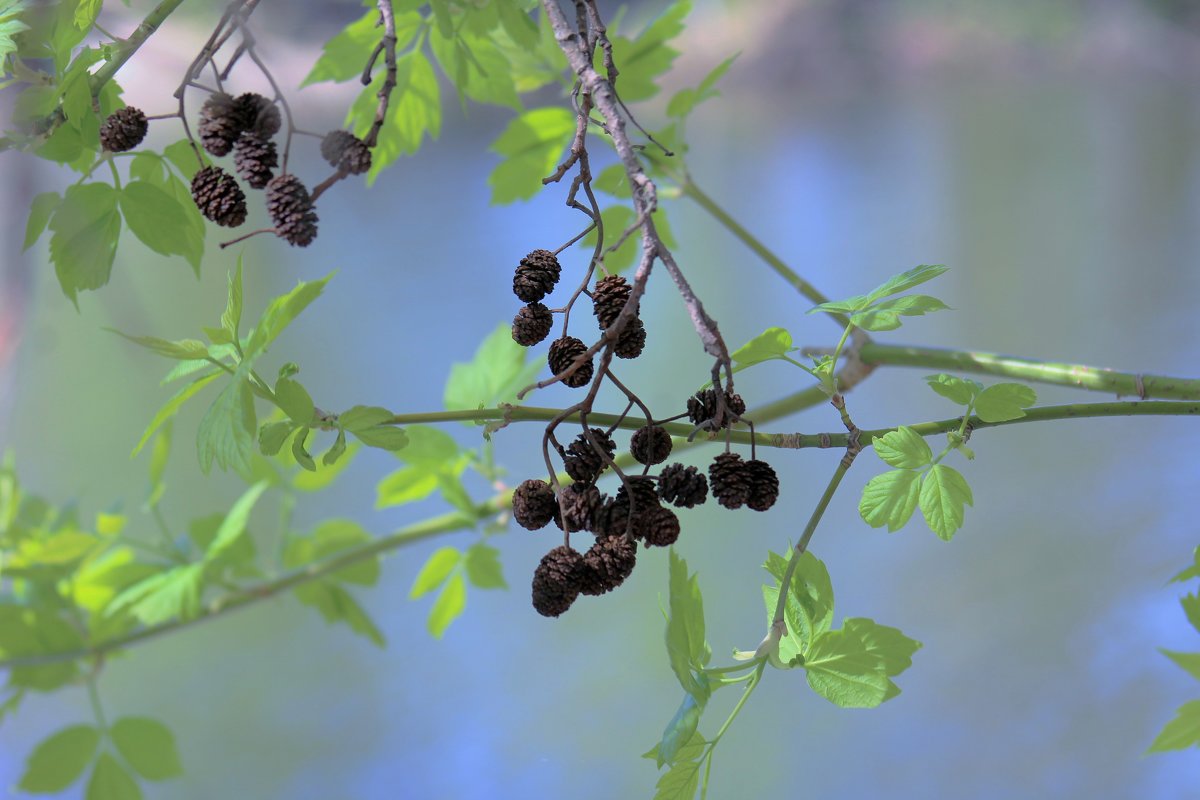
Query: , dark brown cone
x=556, y=581
x=662, y=528
x=220, y=124
x=291, y=210
x=346, y=151
x=730, y=480
x=255, y=159
x=532, y=324
x=533, y=504
x=579, y=502
x=562, y=355
x=219, y=197
x=257, y=114
x=123, y=129
x=609, y=296
x=615, y=517
x=580, y=459
x=607, y=564
x=632, y=340
x=682, y=487
x=703, y=407
x=536, y=276
x=764, y=485
x=650, y=444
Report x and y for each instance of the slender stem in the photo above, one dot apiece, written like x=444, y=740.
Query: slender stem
x=690, y=189
x=130, y=46
x=444, y=523
x=814, y=519
x=740, y=704
x=97, y=708
x=1079, y=376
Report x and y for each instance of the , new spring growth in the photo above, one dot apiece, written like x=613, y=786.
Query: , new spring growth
x=291, y=210
x=219, y=197
x=536, y=276
x=533, y=504
x=562, y=355
x=650, y=444
x=582, y=461
x=557, y=581
x=730, y=480
x=532, y=324
x=682, y=487
x=124, y=129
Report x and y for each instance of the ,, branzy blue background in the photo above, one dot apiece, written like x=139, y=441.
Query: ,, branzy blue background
x=1049, y=152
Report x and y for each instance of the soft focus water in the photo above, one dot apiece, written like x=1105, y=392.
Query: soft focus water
x=1065, y=201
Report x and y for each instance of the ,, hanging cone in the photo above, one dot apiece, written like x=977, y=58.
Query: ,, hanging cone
x=291, y=210
x=124, y=129
x=218, y=196
x=255, y=159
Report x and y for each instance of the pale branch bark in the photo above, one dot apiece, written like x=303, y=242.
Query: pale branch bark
x=645, y=197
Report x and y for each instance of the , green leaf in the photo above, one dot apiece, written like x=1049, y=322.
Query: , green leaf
x=342, y=57
x=231, y=318
x=158, y=219
x=686, y=645
x=228, y=428
x=186, y=157
x=449, y=604
x=148, y=746
x=957, y=390
x=405, y=485
x=1189, y=572
x=234, y=524
x=328, y=538
x=428, y=447
x=771, y=343
x=906, y=280
x=300, y=449
x=903, y=448
x=326, y=473
x=845, y=672
x=40, y=209
x=944, y=491
x=110, y=781
x=294, y=400
x=617, y=219
x=1004, y=401
x=85, y=228
x=181, y=350
x=165, y=596
x=890, y=645
x=477, y=67
x=158, y=464
x=482, y=562
x=1191, y=608
x=530, y=146
x=385, y=437
x=335, y=450
x=10, y=26
x=338, y=605
x=414, y=112
x=885, y=315
x=203, y=531
x=679, y=730
x=495, y=375
x=436, y=569
x=1186, y=661
x=272, y=435
x=684, y=102
x=846, y=306
x=1180, y=733
x=58, y=761
x=809, y=608
x=361, y=417
x=644, y=59
x=281, y=312
x=679, y=782
x=519, y=26
x=890, y=499
x=613, y=180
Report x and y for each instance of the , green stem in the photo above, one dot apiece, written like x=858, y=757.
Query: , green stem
x=444, y=523
x=129, y=46
x=813, y=520
x=1078, y=376
x=97, y=708
x=737, y=709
